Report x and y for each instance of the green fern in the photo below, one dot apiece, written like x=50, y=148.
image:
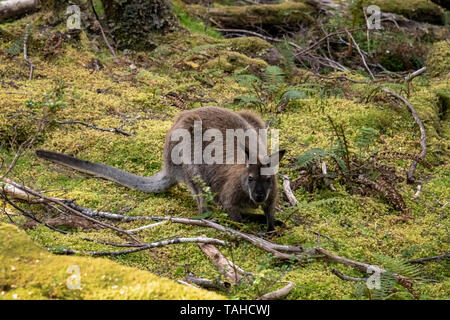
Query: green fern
x=389, y=287
x=17, y=46
x=293, y=94
x=273, y=75
x=366, y=137
x=408, y=270
x=310, y=157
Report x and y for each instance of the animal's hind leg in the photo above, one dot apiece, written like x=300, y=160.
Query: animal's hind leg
x=197, y=194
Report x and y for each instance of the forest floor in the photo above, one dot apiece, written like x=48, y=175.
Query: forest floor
x=142, y=92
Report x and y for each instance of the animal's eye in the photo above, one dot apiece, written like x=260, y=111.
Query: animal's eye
x=250, y=179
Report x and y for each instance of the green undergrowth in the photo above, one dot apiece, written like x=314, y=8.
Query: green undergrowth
x=141, y=93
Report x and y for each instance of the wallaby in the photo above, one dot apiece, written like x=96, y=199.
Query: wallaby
x=237, y=186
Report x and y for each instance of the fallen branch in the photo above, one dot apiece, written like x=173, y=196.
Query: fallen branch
x=226, y=267
x=25, y=50
x=113, y=52
x=146, y=227
x=361, y=54
x=147, y=246
x=282, y=252
x=423, y=138
x=345, y=277
x=207, y=283
x=288, y=191
x=422, y=260
x=63, y=203
x=363, y=267
x=278, y=294
x=416, y=73
x=93, y=126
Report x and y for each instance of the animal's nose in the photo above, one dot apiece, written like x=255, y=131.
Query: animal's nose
x=260, y=196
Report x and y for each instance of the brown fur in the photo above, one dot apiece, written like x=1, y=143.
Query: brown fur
x=236, y=185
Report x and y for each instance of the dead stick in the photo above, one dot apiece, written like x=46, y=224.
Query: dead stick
x=345, y=277
x=278, y=294
x=226, y=267
x=361, y=54
x=422, y=260
x=25, y=50
x=147, y=246
x=423, y=138
x=288, y=191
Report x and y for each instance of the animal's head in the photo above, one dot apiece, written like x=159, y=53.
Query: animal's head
x=258, y=179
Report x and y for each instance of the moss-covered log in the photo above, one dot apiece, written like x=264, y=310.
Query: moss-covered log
x=418, y=10
x=133, y=21
x=266, y=16
x=438, y=61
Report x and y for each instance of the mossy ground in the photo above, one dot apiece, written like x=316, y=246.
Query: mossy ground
x=145, y=91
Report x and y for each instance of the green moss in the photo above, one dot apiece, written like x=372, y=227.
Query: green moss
x=267, y=15
x=30, y=272
x=438, y=61
x=186, y=65
x=419, y=10
x=230, y=61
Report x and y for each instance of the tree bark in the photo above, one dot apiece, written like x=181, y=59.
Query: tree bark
x=15, y=8
x=133, y=21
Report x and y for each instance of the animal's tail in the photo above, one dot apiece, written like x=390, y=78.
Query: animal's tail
x=156, y=183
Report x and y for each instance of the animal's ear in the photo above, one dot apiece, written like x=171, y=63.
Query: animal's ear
x=281, y=154
x=276, y=157
x=245, y=149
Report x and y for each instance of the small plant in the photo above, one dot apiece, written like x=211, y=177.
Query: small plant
x=52, y=101
x=359, y=170
x=389, y=287
x=270, y=93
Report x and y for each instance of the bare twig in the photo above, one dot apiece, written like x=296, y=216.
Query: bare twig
x=361, y=54
x=278, y=294
x=146, y=227
x=288, y=191
x=113, y=52
x=423, y=138
x=25, y=50
x=416, y=73
x=345, y=277
x=207, y=283
x=226, y=267
x=63, y=204
x=422, y=260
x=93, y=126
x=147, y=246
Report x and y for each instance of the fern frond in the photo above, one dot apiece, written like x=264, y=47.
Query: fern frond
x=273, y=75
x=408, y=270
x=366, y=137
x=310, y=157
x=293, y=95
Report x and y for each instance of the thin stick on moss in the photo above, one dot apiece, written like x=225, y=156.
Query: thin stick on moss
x=445, y=256
x=225, y=266
x=93, y=126
x=147, y=246
x=278, y=294
x=63, y=204
x=423, y=138
x=207, y=283
x=342, y=276
x=25, y=50
x=113, y=52
x=288, y=191
x=361, y=54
